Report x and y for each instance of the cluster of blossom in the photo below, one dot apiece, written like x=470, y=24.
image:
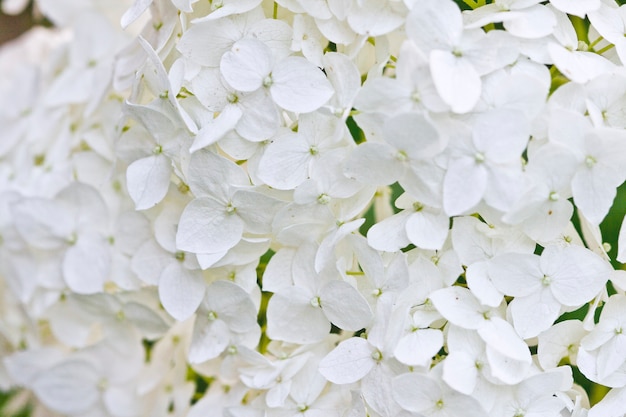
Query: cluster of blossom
x=184, y=195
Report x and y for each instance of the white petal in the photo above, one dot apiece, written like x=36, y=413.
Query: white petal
x=285, y=162
x=506, y=369
x=45, y=224
x=556, y=343
x=576, y=7
x=180, y=290
x=87, y=264
x=390, y=233
x=502, y=134
x=350, y=361
x=534, y=313
x=579, y=66
x=456, y=80
x=577, y=273
x=210, y=338
x=344, y=77
x=464, y=185
x=246, y=65
x=621, y=242
x=459, y=306
x=592, y=192
x=460, y=372
x=230, y=7
x=344, y=306
x=374, y=163
x=414, y=135
x=416, y=392
x=205, y=43
x=256, y=209
x=148, y=180
x=206, y=227
x=136, y=10
x=277, y=274
x=260, y=119
x=435, y=25
x=480, y=284
x=214, y=175
x=418, y=348
x=232, y=305
x=69, y=387
x=532, y=22
x=612, y=405
x=149, y=261
x=375, y=18
x=122, y=401
x=499, y=334
x=291, y=317
x=217, y=128
x=516, y=274
x=299, y=86
x=146, y=319
x=428, y=230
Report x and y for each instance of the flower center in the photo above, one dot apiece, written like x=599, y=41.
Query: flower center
x=323, y=199
x=316, y=302
x=232, y=98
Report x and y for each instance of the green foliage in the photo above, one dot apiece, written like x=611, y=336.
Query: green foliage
x=7, y=408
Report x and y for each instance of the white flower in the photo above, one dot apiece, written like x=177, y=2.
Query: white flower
x=542, y=285
x=426, y=395
x=225, y=207
x=293, y=82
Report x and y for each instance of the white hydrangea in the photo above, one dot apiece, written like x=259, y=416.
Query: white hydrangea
x=314, y=208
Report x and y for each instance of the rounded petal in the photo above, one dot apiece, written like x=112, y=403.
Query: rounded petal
x=87, y=264
x=299, y=86
x=374, y=163
x=246, y=65
x=531, y=23
x=459, y=306
x=416, y=392
x=456, y=80
x=232, y=304
x=292, y=318
x=148, y=180
x=69, y=387
x=535, y=313
x=463, y=186
x=180, y=290
x=516, y=274
x=207, y=227
x=434, y=24
x=344, y=306
x=390, y=234
x=350, y=361
x=577, y=274
x=414, y=135
x=500, y=335
x=428, y=230
x=209, y=339
x=418, y=347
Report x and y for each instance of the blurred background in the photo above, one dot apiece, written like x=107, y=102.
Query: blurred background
x=12, y=26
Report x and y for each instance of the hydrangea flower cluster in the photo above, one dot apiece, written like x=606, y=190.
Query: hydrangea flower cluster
x=329, y=208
